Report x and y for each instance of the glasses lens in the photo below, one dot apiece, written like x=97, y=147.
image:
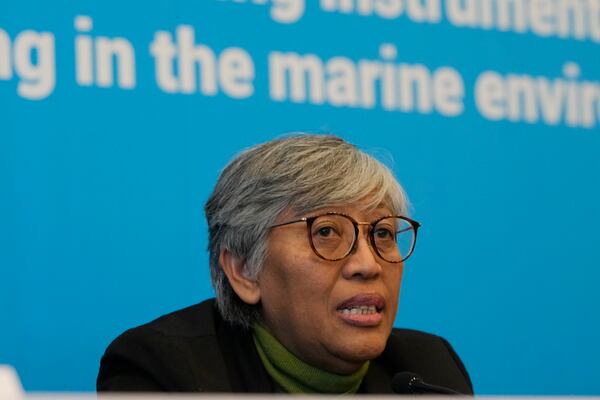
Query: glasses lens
x=332, y=236
x=394, y=239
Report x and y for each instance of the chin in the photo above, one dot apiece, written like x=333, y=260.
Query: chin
x=360, y=351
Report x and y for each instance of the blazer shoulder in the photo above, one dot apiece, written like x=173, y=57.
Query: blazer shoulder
x=412, y=333
x=429, y=355
x=193, y=321
x=160, y=355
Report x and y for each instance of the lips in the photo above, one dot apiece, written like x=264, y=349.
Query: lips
x=362, y=310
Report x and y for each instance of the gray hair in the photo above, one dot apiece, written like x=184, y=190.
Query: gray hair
x=301, y=172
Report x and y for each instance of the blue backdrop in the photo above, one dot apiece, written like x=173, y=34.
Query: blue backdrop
x=116, y=118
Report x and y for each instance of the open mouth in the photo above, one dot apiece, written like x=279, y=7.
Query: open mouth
x=362, y=310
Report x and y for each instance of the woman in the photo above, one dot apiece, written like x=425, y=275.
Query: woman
x=307, y=237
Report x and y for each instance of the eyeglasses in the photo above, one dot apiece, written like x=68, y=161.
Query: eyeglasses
x=332, y=236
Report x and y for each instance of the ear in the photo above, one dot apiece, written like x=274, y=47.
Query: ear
x=235, y=268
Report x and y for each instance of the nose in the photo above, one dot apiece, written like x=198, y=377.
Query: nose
x=363, y=262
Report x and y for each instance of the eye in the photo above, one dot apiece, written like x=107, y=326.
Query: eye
x=325, y=231
x=328, y=228
x=331, y=228
x=382, y=233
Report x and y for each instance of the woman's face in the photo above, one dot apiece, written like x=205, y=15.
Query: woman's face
x=307, y=302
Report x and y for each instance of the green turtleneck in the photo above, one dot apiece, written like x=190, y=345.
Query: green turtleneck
x=295, y=376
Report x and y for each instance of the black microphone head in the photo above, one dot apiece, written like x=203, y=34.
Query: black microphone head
x=403, y=382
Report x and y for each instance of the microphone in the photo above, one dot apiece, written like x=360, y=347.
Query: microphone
x=411, y=383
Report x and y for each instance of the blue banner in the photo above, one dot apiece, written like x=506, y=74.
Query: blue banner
x=116, y=118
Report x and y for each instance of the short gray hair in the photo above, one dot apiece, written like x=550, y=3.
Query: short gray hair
x=301, y=172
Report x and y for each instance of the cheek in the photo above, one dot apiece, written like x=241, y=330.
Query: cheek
x=279, y=282
x=297, y=288
x=393, y=280
x=397, y=280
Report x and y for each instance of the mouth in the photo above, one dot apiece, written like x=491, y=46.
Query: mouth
x=362, y=310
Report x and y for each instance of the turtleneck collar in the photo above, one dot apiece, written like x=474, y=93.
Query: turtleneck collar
x=295, y=376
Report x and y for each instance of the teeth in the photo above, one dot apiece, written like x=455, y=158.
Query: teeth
x=363, y=310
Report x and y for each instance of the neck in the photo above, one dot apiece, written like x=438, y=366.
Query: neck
x=296, y=376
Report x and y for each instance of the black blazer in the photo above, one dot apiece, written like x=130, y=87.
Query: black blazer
x=195, y=350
